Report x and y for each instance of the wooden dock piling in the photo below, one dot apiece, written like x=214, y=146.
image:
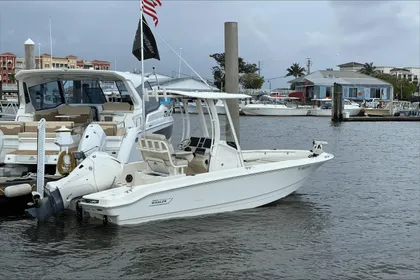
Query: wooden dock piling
x=337, y=103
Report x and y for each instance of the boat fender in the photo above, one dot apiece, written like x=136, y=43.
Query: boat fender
x=17, y=190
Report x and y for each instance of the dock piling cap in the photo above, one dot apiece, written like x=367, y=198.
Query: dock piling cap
x=29, y=42
x=63, y=129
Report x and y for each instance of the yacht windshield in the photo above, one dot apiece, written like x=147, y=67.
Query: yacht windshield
x=52, y=94
x=46, y=96
x=83, y=92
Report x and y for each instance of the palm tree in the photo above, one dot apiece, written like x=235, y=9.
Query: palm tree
x=295, y=70
x=12, y=78
x=368, y=69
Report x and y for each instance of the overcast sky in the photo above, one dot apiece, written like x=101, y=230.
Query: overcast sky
x=277, y=33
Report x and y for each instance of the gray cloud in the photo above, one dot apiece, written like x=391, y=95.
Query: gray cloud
x=277, y=33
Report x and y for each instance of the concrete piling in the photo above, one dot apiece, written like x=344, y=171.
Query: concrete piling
x=232, y=74
x=29, y=54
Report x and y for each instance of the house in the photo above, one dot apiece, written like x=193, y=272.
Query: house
x=319, y=84
x=351, y=66
x=410, y=73
x=7, y=67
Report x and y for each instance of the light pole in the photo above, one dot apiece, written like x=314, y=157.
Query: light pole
x=39, y=56
x=180, y=61
x=269, y=80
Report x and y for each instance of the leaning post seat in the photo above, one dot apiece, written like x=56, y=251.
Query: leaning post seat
x=159, y=155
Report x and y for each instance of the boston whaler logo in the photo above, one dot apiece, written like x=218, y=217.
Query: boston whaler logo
x=161, y=201
x=303, y=167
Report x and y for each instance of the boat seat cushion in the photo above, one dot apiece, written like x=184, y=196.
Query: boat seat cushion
x=35, y=135
x=11, y=127
x=48, y=115
x=116, y=106
x=84, y=113
x=49, y=126
x=111, y=128
x=164, y=166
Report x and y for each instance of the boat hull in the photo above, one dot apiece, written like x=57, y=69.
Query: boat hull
x=203, y=194
x=192, y=109
x=375, y=112
x=267, y=111
x=14, y=206
x=328, y=112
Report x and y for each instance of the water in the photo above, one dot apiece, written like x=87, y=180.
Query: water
x=357, y=218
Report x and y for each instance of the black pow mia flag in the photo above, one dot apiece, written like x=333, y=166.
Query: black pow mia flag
x=149, y=42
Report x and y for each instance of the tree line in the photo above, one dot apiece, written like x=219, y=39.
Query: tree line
x=402, y=86
x=248, y=72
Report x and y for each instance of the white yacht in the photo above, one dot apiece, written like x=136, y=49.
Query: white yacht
x=323, y=107
x=206, y=175
x=73, y=99
x=220, y=107
x=268, y=106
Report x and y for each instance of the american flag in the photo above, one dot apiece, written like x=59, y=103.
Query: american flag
x=149, y=9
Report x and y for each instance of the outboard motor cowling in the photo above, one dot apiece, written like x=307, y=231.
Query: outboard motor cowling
x=93, y=139
x=96, y=173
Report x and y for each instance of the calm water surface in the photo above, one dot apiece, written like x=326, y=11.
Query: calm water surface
x=357, y=218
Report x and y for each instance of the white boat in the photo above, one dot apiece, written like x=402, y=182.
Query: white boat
x=325, y=108
x=220, y=107
x=274, y=107
x=74, y=99
x=206, y=175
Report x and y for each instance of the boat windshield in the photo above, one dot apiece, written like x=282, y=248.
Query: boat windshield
x=55, y=93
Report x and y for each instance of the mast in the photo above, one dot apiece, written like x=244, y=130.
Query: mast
x=51, y=45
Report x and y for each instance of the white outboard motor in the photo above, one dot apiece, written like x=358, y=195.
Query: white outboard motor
x=93, y=139
x=126, y=148
x=1, y=140
x=96, y=173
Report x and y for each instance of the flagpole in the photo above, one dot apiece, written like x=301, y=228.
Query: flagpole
x=143, y=108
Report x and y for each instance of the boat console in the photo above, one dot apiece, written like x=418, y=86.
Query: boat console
x=199, y=145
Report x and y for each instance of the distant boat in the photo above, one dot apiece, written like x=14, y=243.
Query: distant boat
x=275, y=106
x=325, y=108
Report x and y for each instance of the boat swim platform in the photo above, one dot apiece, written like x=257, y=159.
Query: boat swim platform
x=381, y=119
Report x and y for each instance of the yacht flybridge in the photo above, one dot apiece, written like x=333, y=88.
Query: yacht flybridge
x=206, y=174
x=73, y=99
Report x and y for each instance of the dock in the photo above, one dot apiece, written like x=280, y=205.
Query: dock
x=382, y=119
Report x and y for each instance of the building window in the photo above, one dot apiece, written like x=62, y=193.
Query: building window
x=328, y=92
x=353, y=92
x=375, y=93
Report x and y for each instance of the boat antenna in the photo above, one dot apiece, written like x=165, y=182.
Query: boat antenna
x=154, y=73
x=179, y=56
